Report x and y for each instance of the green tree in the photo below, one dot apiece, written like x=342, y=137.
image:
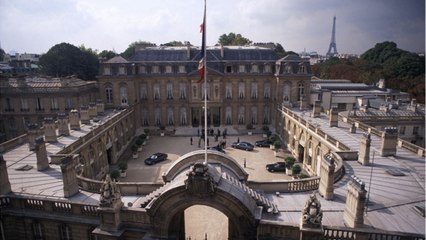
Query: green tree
x=107, y=54
x=131, y=48
x=65, y=59
x=176, y=44
x=233, y=39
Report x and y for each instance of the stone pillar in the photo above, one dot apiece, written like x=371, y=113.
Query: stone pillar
x=389, y=142
x=326, y=187
x=69, y=176
x=74, y=120
x=84, y=115
x=364, y=150
x=4, y=177
x=353, y=215
x=311, y=220
x=100, y=106
x=334, y=118
x=33, y=133
x=316, y=111
x=110, y=205
x=50, y=130
x=41, y=154
x=352, y=129
x=63, y=128
x=93, y=110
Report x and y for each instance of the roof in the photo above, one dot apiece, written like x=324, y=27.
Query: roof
x=117, y=59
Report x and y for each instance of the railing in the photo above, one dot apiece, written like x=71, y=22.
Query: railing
x=287, y=186
x=8, y=145
x=343, y=233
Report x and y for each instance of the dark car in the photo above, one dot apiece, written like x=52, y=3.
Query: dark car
x=243, y=145
x=155, y=158
x=276, y=167
x=217, y=148
x=263, y=143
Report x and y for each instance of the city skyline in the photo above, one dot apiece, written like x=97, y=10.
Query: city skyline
x=34, y=27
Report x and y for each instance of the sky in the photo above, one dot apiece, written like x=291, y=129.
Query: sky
x=34, y=26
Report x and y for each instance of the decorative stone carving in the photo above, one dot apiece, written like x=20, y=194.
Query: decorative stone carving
x=199, y=182
x=311, y=213
x=110, y=193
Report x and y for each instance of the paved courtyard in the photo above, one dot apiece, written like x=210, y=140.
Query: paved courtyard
x=177, y=146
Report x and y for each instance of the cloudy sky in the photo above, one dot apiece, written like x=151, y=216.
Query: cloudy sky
x=34, y=26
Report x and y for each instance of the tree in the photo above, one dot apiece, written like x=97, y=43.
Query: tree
x=233, y=39
x=107, y=54
x=2, y=53
x=65, y=59
x=132, y=46
x=176, y=44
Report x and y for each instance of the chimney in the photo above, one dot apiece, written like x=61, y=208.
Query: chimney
x=188, y=50
x=222, y=51
x=382, y=84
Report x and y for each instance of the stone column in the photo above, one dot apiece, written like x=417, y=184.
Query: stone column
x=100, y=106
x=33, y=132
x=93, y=110
x=63, y=128
x=334, y=118
x=4, y=177
x=326, y=187
x=50, y=130
x=69, y=176
x=364, y=150
x=389, y=142
x=74, y=120
x=316, y=111
x=41, y=154
x=353, y=215
x=84, y=115
x=110, y=205
x=352, y=129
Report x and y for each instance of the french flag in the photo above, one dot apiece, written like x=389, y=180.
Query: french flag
x=202, y=63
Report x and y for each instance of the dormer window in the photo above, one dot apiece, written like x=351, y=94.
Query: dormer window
x=168, y=69
x=254, y=68
x=142, y=69
x=228, y=69
x=302, y=68
x=121, y=70
x=241, y=68
x=288, y=68
x=107, y=70
x=155, y=69
x=267, y=68
x=182, y=69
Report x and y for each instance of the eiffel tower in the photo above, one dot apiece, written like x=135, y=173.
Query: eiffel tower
x=333, y=41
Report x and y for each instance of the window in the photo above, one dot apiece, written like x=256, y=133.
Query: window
x=241, y=115
x=228, y=69
x=9, y=105
x=267, y=90
x=24, y=105
x=182, y=90
x=107, y=71
x=254, y=90
x=144, y=91
x=157, y=116
x=268, y=68
x=182, y=69
x=207, y=85
x=402, y=130
x=302, y=68
x=254, y=68
x=241, y=90
x=415, y=130
x=37, y=231
x=108, y=94
x=286, y=92
x=91, y=235
x=169, y=69
x=54, y=104
x=228, y=116
x=145, y=117
x=142, y=69
x=228, y=90
x=155, y=69
x=301, y=91
x=123, y=95
x=121, y=70
x=241, y=68
x=39, y=105
x=156, y=91
x=12, y=124
x=254, y=115
x=183, y=117
x=170, y=117
x=169, y=88
x=288, y=68
x=266, y=115
x=70, y=104
x=65, y=232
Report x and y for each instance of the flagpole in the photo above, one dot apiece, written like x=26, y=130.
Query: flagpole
x=205, y=85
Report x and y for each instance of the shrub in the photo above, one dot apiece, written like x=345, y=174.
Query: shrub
x=114, y=174
x=134, y=148
x=122, y=166
x=303, y=175
x=139, y=142
x=296, y=169
x=277, y=144
x=142, y=136
x=289, y=162
x=146, y=131
x=265, y=129
x=162, y=127
x=249, y=126
x=268, y=133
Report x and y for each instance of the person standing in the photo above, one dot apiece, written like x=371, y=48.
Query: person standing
x=191, y=140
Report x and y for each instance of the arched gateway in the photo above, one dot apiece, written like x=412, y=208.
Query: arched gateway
x=216, y=185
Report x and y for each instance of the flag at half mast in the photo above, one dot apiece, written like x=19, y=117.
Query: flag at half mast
x=202, y=63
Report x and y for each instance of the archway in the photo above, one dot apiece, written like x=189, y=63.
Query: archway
x=198, y=226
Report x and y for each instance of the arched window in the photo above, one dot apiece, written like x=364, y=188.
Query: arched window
x=254, y=115
x=301, y=91
x=286, y=92
x=123, y=95
x=228, y=115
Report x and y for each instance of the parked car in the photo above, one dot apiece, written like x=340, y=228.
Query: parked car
x=276, y=167
x=243, y=145
x=217, y=148
x=155, y=158
x=263, y=143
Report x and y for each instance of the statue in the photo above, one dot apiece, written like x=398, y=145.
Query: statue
x=110, y=194
x=311, y=213
x=199, y=182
